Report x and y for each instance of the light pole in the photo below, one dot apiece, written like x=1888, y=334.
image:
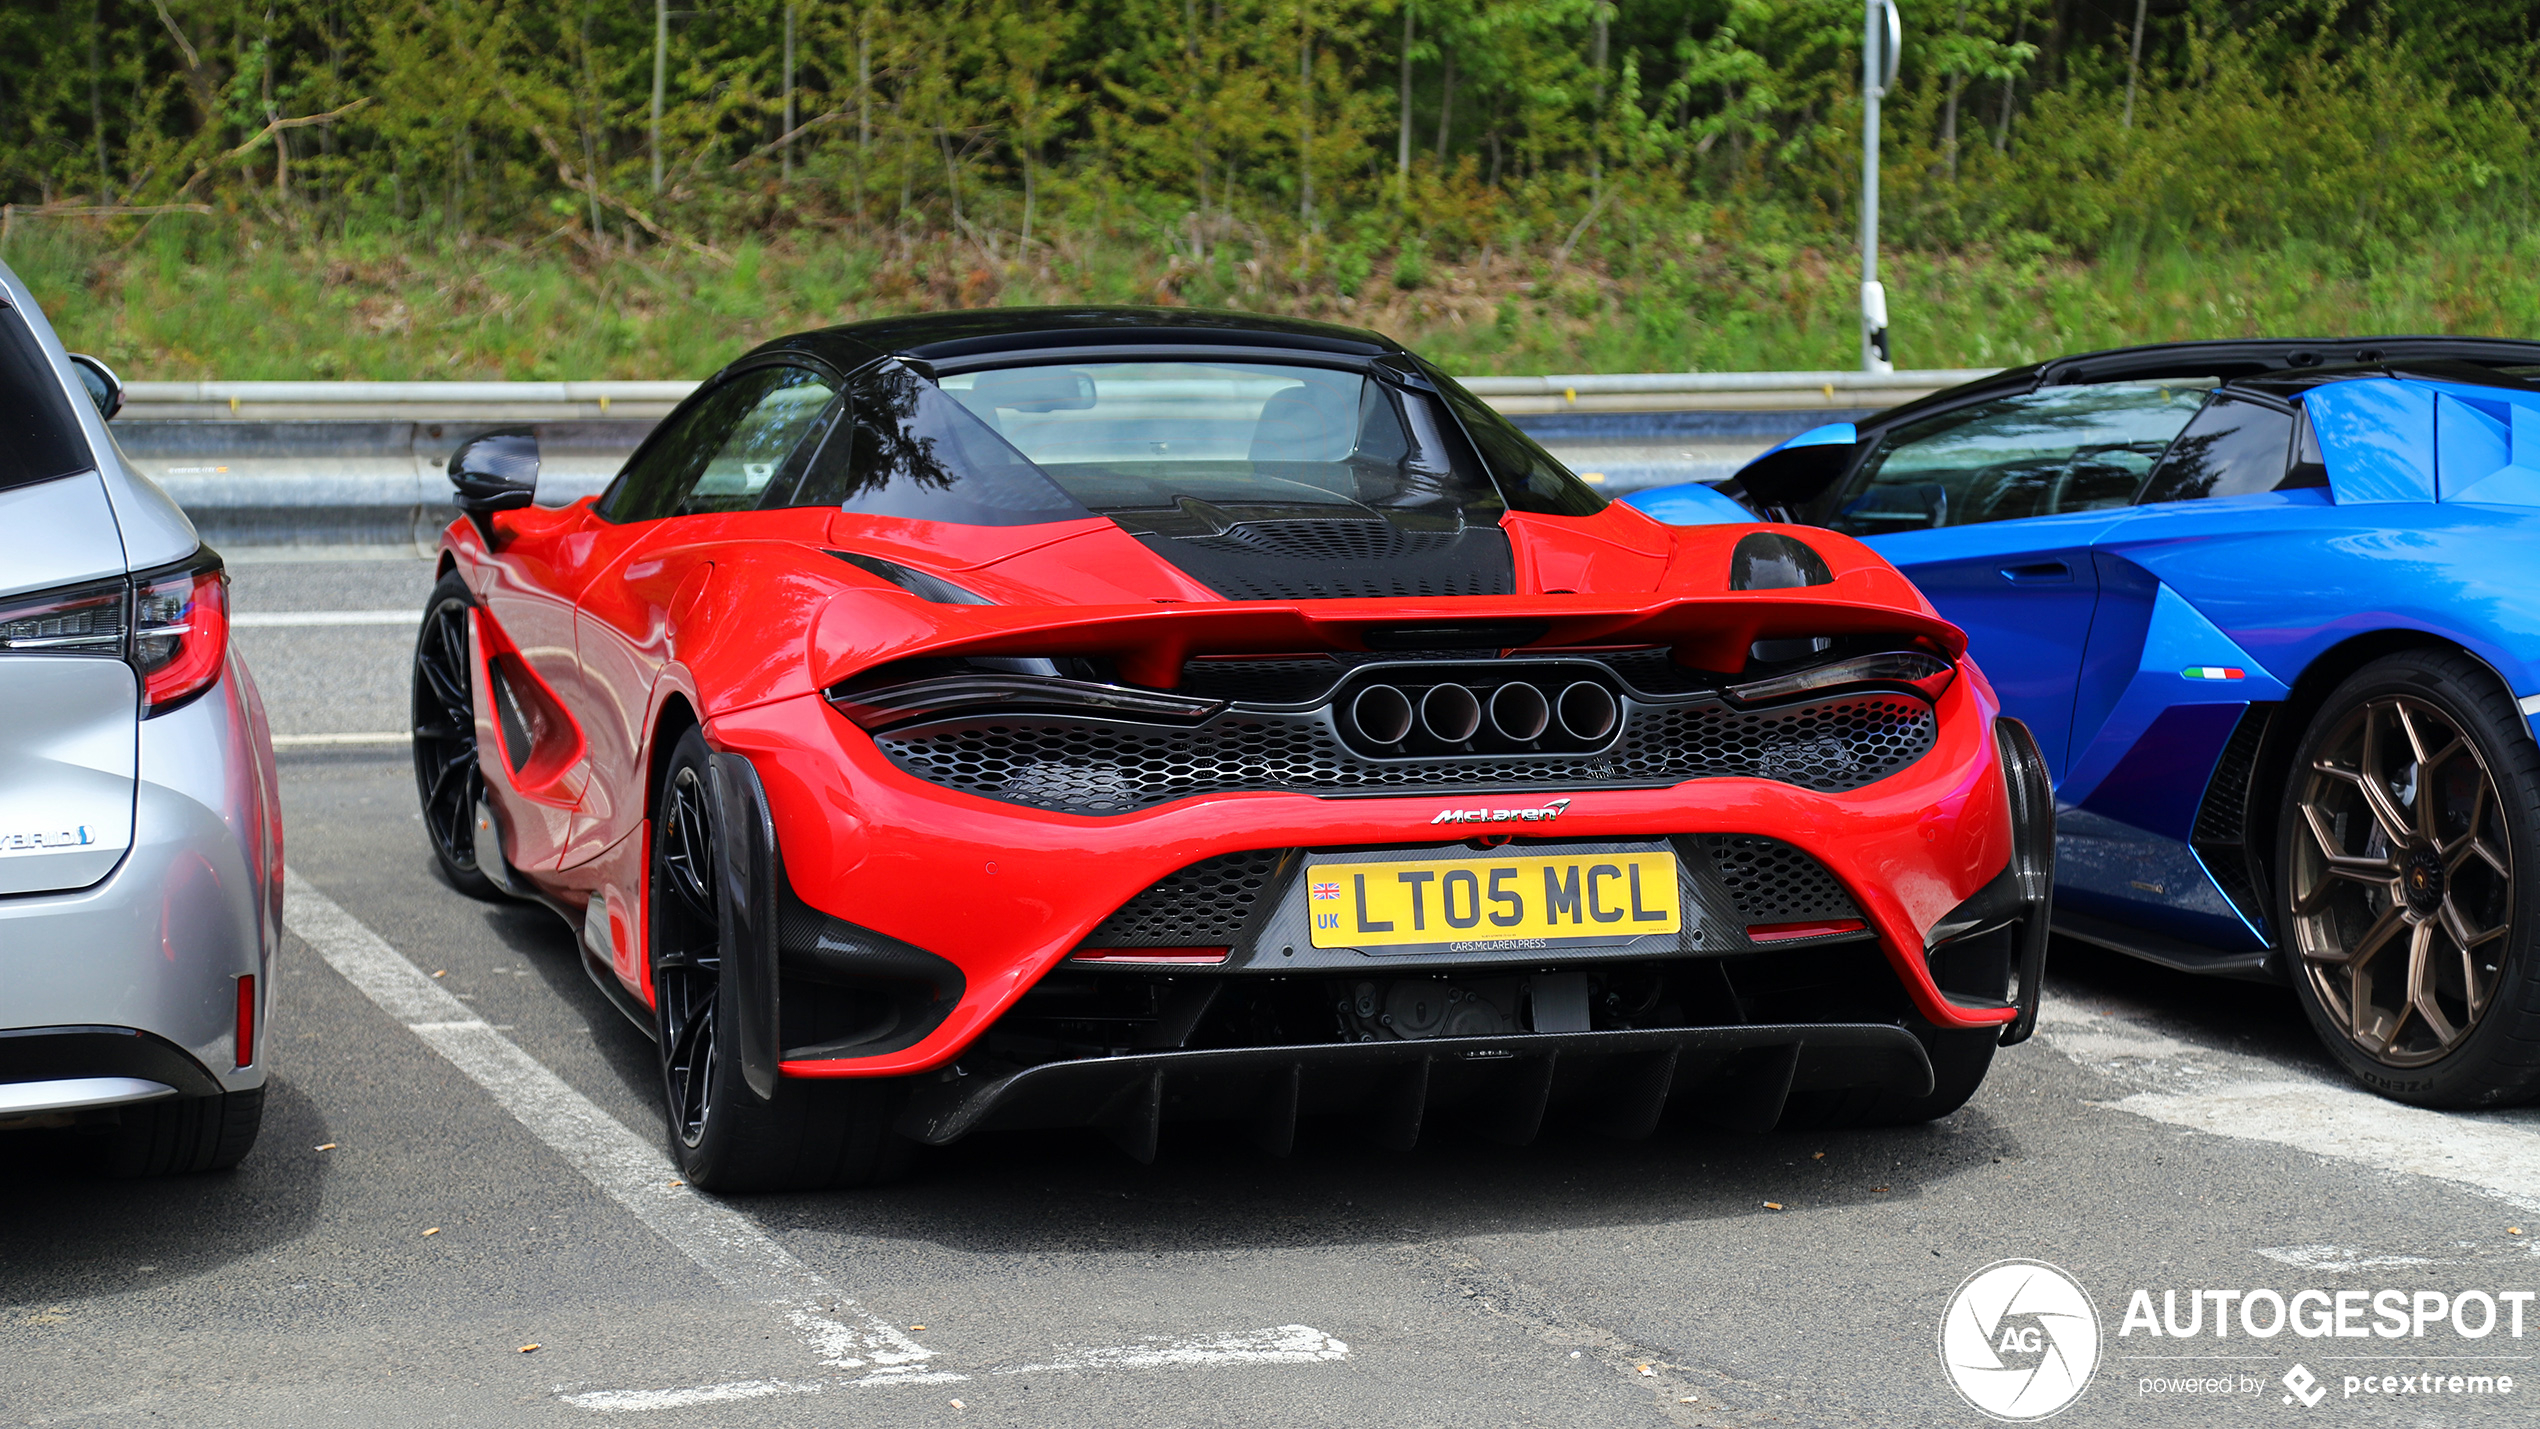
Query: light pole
x=1882, y=40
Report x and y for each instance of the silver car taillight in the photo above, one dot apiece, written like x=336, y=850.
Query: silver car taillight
x=171, y=625
x=180, y=631
x=75, y=620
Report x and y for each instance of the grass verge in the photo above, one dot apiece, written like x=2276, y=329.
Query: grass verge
x=192, y=300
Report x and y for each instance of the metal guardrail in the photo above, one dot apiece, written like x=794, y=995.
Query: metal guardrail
x=485, y=402
x=1590, y=392
x=295, y=463
x=607, y=401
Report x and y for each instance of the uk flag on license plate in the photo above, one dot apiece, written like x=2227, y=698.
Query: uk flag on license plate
x=1323, y=891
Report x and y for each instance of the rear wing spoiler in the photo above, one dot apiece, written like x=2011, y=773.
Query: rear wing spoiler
x=1148, y=644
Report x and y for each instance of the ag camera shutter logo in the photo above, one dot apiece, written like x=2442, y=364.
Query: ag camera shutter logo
x=2019, y=1340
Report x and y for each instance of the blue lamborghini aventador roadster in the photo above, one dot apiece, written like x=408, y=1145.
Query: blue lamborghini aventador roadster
x=2272, y=610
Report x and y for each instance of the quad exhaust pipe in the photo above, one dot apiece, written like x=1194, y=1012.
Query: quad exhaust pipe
x=1450, y=714
x=1518, y=712
x=1588, y=711
x=1382, y=713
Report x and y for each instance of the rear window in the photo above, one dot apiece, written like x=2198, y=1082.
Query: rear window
x=2233, y=448
x=39, y=437
x=2077, y=448
x=1020, y=445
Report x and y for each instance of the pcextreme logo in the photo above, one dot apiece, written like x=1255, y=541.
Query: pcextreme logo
x=2019, y=1340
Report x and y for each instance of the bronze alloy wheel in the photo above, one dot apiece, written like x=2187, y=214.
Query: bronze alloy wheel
x=2401, y=881
x=687, y=953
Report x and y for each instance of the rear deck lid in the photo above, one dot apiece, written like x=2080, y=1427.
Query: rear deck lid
x=69, y=741
x=70, y=704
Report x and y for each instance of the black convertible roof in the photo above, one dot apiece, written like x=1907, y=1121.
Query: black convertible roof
x=1790, y=477
x=979, y=332
x=2227, y=359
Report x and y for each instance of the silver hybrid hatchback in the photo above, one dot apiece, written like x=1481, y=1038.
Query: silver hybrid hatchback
x=140, y=816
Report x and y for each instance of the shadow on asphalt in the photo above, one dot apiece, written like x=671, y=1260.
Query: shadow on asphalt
x=1210, y=1189
x=2259, y=1019
x=1009, y=1191
x=553, y=951
x=67, y=1235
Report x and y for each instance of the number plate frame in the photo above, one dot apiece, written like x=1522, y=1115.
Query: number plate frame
x=1507, y=898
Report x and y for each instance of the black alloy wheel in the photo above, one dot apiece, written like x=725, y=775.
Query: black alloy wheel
x=447, y=778
x=812, y=1134
x=687, y=951
x=2408, y=813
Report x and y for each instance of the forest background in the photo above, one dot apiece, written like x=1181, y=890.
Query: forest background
x=633, y=188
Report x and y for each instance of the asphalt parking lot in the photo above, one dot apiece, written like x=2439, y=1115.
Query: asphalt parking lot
x=454, y=1167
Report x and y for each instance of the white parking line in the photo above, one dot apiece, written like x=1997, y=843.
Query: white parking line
x=1281, y=1344
x=632, y=1170
x=725, y=1244
x=287, y=619
x=2497, y=1153
x=630, y=1401
x=296, y=741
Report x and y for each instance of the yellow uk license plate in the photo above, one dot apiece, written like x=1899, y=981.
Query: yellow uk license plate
x=1493, y=900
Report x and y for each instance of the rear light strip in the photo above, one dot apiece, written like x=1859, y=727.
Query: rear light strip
x=1152, y=957
x=76, y=620
x=247, y=1020
x=1785, y=932
x=171, y=626
x=1924, y=673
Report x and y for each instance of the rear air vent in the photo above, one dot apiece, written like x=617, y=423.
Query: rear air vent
x=1342, y=560
x=1772, y=882
x=1329, y=540
x=1210, y=902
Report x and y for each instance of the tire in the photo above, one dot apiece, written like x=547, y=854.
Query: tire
x=1959, y=1061
x=2405, y=824
x=180, y=1136
x=448, y=781
x=813, y=1134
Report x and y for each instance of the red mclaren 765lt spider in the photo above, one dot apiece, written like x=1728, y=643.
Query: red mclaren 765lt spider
x=1104, y=717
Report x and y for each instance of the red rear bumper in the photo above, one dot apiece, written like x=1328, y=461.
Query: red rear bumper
x=1004, y=892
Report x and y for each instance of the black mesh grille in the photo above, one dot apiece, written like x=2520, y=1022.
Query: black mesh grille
x=1083, y=766
x=1771, y=882
x=1204, y=905
x=2221, y=834
x=1842, y=744
x=2226, y=808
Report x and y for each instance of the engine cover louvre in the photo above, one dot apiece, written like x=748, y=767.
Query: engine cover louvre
x=1342, y=560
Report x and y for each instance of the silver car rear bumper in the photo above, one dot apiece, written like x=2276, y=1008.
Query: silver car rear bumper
x=78, y=1094
x=157, y=946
